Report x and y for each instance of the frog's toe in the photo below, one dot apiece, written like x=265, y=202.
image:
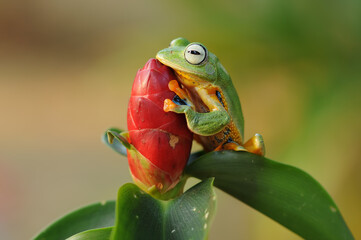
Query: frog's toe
x=233, y=146
x=239, y=148
x=230, y=145
x=173, y=85
x=170, y=106
x=255, y=145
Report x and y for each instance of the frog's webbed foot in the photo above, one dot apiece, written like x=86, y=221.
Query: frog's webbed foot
x=181, y=102
x=201, y=123
x=173, y=85
x=255, y=145
x=170, y=106
x=230, y=145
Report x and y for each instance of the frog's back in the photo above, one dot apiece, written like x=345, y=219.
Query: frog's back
x=234, y=109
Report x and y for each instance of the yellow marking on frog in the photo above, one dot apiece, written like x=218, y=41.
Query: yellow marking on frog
x=190, y=80
x=209, y=98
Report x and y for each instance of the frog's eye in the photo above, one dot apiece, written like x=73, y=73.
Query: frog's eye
x=195, y=54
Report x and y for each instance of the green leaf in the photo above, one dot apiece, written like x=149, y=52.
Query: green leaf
x=284, y=193
x=98, y=215
x=94, y=234
x=139, y=216
x=194, y=156
x=110, y=138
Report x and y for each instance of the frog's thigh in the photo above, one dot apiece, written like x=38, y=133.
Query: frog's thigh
x=230, y=145
x=255, y=145
x=233, y=146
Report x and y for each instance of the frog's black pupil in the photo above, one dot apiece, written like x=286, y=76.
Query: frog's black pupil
x=194, y=52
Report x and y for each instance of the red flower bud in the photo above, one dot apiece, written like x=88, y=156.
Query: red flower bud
x=162, y=139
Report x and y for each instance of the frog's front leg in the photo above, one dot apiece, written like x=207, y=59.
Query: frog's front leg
x=173, y=85
x=170, y=106
x=204, y=124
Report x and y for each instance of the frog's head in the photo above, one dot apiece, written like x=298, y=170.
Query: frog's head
x=191, y=60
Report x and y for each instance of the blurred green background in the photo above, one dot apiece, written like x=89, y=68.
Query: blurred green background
x=66, y=70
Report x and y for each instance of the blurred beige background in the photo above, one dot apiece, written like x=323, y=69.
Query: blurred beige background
x=66, y=70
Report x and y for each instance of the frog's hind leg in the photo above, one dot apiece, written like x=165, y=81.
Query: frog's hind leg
x=230, y=145
x=255, y=145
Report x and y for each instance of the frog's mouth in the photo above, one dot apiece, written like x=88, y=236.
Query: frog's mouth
x=190, y=80
x=184, y=76
x=190, y=83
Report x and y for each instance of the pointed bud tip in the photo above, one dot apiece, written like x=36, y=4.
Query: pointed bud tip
x=153, y=64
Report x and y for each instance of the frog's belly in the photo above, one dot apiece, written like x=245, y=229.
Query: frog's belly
x=229, y=133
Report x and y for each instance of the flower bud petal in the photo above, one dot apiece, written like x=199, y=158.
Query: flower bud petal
x=161, y=140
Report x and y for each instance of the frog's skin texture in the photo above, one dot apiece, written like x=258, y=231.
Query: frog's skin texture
x=207, y=97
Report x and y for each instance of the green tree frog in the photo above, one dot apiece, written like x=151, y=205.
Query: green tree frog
x=207, y=97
